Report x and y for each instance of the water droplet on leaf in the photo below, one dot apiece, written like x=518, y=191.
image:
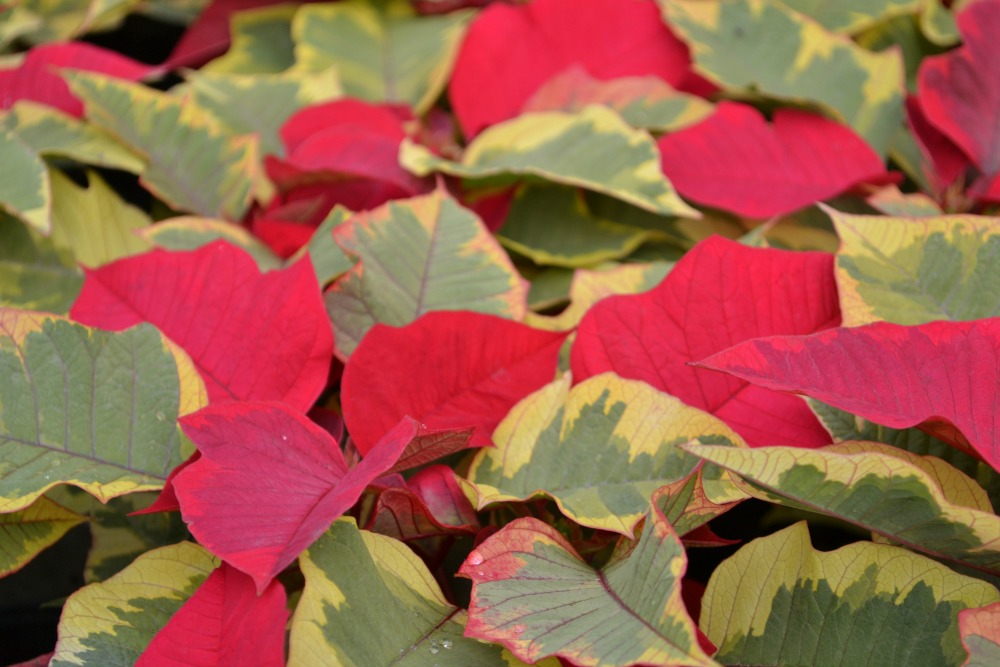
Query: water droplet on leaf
x=475, y=558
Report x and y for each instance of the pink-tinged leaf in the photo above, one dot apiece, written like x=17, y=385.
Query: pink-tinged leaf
x=37, y=77
x=429, y=445
x=252, y=336
x=735, y=161
x=223, y=623
x=448, y=370
x=959, y=91
x=980, y=632
x=270, y=482
x=940, y=376
x=720, y=293
x=608, y=38
x=429, y=503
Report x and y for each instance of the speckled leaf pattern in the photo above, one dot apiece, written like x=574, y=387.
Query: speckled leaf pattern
x=921, y=503
x=109, y=624
x=600, y=449
x=382, y=56
x=532, y=593
x=192, y=162
x=912, y=271
x=385, y=609
x=594, y=149
x=862, y=605
x=415, y=256
x=763, y=46
x=87, y=407
x=26, y=533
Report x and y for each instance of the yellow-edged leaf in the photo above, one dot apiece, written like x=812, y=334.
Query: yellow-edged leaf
x=26, y=533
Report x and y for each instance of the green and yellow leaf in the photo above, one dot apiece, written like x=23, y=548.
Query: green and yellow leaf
x=109, y=624
x=35, y=273
x=189, y=232
x=193, y=163
x=599, y=449
x=852, y=16
x=552, y=226
x=91, y=408
x=93, y=221
x=60, y=20
x=778, y=601
x=764, y=47
x=24, y=183
x=261, y=103
x=261, y=42
x=593, y=149
x=48, y=131
x=382, y=54
x=328, y=259
x=912, y=271
x=589, y=286
x=534, y=594
x=26, y=533
x=386, y=608
x=922, y=503
x=415, y=256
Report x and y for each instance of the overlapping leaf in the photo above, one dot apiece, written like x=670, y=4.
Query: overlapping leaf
x=192, y=162
x=735, y=161
x=187, y=232
x=385, y=54
x=852, y=16
x=600, y=449
x=27, y=532
x=863, y=604
x=720, y=293
x=209, y=35
x=261, y=41
x=607, y=38
x=532, y=593
x=940, y=376
x=642, y=101
x=35, y=273
x=911, y=271
x=423, y=254
x=959, y=91
x=308, y=483
x=37, y=77
x=553, y=226
x=923, y=504
x=109, y=624
x=86, y=407
x=763, y=46
x=224, y=622
x=593, y=149
x=24, y=184
x=431, y=502
x=260, y=103
x=980, y=630
x=482, y=364
x=385, y=609
x=252, y=336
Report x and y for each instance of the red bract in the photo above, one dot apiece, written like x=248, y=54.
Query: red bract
x=429, y=503
x=252, y=336
x=510, y=50
x=448, y=370
x=960, y=90
x=344, y=152
x=37, y=77
x=940, y=376
x=719, y=294
x=269, y=482
x=223, y=623
x=945, y=162
x=735, y=161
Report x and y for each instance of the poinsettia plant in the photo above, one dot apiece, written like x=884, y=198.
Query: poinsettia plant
x=558, y=332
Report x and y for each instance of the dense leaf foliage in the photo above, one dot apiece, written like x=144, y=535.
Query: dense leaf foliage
x=501, y=332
